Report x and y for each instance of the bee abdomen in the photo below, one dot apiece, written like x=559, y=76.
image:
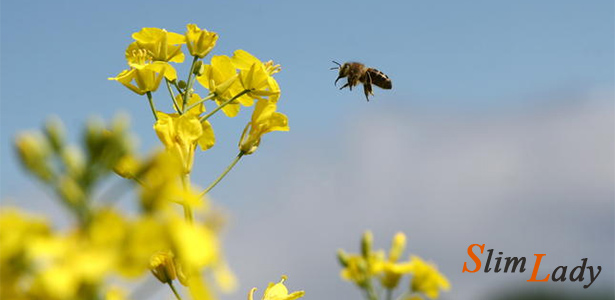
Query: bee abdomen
x=380, y=79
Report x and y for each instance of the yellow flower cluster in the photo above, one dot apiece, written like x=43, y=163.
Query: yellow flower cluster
x=38, y=262
x=103, y=244
x=231, y=82
x=363, y=268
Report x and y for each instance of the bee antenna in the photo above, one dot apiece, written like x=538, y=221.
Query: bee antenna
x=335, y=68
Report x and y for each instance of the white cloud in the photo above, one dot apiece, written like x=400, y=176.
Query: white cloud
x=521, y=183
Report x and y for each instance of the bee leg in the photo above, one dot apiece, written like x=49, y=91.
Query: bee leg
x=345, y=85
x=338, y=78
x=367, y=87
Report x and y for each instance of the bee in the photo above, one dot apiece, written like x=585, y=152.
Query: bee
x=359, y=73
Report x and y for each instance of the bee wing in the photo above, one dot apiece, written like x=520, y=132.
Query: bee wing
x=380, y=79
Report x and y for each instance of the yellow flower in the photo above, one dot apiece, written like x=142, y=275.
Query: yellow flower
x=145, y=73
x=196, y=245
x=145, y=236
x=264, y=119
x=163, y=266
x=194, y=98
x=426, y=278
x=181, y=133
x=359, y=269
x=392, y=270
x=161, y=44
x=145, y=78
x=277, y=291
x=256, y=76
x=115, y=293
x=224, y=277
x=220, y=78
x=200, y=41
x=128, y=166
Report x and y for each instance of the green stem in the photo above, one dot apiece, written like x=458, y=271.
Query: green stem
x=193, y=105
x=370, y=292
x=151, y=105
x=174, y=291
x=190, y=82
x=173, y=97
x=228, y=169
x=389, y=294
x=187, y=208
x=223, y=105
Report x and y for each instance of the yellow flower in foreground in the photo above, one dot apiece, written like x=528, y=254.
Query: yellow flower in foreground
x=256, y=76
x=200, y=41
x=145, y=78
x=220, y=78
x=277, y=291
x=163, y=266
x=194, y=98
x=264, y=119
x=181, y=133
x=145, y=73
x=161, y=44
x=426, y=278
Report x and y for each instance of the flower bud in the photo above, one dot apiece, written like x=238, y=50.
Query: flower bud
x=182, y=84
x=34, y=150
x=342, y=257
x=163, y=266
x=74, y=160
x=54, y=129
x=198, y=68
x=70, y=190
x=366, y=244
x=397, y=246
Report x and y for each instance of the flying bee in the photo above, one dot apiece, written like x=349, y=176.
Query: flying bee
x=359, y=73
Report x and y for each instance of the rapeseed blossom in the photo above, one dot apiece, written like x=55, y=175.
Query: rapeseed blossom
x=426, y=278
x=265, y=119
x=277, y=291
x=370, y=264
x=200, y=41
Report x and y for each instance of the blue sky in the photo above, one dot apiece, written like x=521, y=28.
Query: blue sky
x=469, y=57
x=458, y=60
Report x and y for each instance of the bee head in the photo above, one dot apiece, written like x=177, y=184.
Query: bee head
x=343, y=70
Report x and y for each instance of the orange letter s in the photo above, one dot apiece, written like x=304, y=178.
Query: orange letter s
x=474, y=258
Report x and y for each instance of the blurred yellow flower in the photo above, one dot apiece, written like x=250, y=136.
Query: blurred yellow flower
x=277, y=291
x=34, y=150
x=426, y=278
x=128, y=166
x=115, y=293
x=196, y=246
x=264, y=119
x=161, y=44
x=392, y=270
x=200, y=41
